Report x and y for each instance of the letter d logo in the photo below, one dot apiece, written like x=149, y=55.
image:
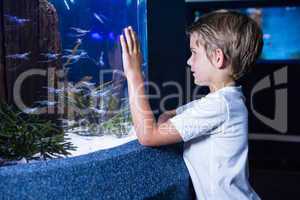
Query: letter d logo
x=279, y=123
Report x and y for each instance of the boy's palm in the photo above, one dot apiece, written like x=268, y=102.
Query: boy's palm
x=131, y=53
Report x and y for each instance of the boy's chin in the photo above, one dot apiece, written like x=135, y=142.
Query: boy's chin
x=200, y=83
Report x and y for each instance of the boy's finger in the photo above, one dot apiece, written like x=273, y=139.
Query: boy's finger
x=138, y=45
x=123, y=45
x=138, y=48
x=128, y=40
x=135, y=40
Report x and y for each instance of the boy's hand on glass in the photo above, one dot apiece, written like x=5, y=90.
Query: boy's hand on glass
x=131, y=53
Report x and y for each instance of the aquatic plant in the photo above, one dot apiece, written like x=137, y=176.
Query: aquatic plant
x=90, y=109
x=29, y=137
x=95, y=111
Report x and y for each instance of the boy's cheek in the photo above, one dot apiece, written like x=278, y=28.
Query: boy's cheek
x=201, y=78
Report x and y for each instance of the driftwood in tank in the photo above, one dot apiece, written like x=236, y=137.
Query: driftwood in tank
x=30, y=37
x=2, y=70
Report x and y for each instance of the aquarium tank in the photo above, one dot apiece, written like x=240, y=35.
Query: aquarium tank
x=79, y=41
x=90, y=31
x=61, y=73
x=272, y=19
x=95, y=91
x=97, y=25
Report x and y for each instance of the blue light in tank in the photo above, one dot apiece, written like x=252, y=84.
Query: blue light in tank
x=128, y=3
x=111, y=36
x=96, y=36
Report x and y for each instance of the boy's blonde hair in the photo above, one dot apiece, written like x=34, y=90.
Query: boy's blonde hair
x=237, y=35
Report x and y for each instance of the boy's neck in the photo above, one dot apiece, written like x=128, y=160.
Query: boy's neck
x=219, y=85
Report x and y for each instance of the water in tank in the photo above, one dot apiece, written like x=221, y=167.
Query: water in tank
x=91, y=56
x=62, y=59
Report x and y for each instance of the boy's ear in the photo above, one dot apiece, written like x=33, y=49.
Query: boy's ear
x=219, y=59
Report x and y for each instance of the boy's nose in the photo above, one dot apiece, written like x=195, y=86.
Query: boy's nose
x=189, y=62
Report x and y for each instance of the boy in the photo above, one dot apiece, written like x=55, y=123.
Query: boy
x=224, y=46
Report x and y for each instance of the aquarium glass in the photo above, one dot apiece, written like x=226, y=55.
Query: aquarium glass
x=62, y=83
x=90, y=31
x=97, y=24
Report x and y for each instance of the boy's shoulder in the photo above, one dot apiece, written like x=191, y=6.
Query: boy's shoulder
x=228, y=94
x=211, y=103
x=220, y=100
x=224, y=100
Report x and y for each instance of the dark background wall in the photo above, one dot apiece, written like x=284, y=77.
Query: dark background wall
x=166, y=48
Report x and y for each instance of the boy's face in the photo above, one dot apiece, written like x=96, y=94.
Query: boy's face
x=200, y=64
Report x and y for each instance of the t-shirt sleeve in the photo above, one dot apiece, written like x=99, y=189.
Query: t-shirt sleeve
x=180, y=109
x=201, y=117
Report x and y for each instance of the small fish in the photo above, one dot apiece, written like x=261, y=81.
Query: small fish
x=86, y=83
x=267, y=36
x=101, y=60
x=78, y=41
x=71, y=50
x=96, y=94
x=67, y=5
x=104, y=91
x=100, y=17
x=75, y=58
x=50, y=56
x=17, y=20
x=30, y=110
x=68, y=50
x=72, y=1
x=55, y=91
x=74, y=90
x=86, y=78
x=23, y=56
x=74, y=51
x=75, y=35
x=99, y=111
x=80, y=32
x=47, y=103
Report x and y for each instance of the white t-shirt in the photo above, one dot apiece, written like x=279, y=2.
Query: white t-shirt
x=215, y=131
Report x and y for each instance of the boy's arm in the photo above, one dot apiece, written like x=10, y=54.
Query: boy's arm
x=165, y=116
x=149, y=133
